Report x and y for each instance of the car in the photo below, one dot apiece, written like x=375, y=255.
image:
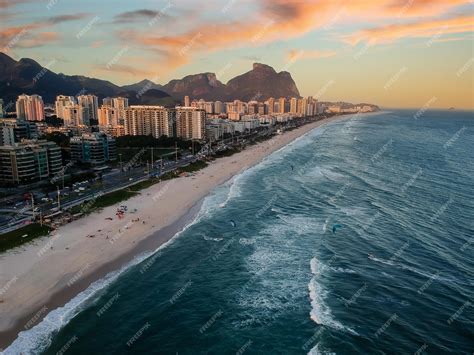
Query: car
x=130, y=179
x=77, y=190
x=82, y=188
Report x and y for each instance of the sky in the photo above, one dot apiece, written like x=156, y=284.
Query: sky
x=393, y=53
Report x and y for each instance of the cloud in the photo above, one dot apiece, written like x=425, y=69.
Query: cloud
x=294, y=54
x=139, y=15
x=252, y=58
x=97, y=44
x=4, y=4
x=420, y=7
x=66, y=18
x=123, y=69
x=419, y=29
x=280, y=20
x=30, y=35
x=7, y=16
x=38, y=40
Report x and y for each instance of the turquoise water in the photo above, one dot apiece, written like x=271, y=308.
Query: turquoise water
x=396, y=276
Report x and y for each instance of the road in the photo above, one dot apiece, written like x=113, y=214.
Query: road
x=112, y=181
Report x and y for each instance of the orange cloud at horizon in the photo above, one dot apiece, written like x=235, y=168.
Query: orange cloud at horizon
x=294, y=54
x=421, y=29
x=288, y=19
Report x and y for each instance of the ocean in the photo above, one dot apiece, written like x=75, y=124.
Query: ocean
x=357, y=238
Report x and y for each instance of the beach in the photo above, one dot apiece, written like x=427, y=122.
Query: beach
x=38, y=277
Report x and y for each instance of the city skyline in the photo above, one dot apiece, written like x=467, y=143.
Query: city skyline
x=390, y=53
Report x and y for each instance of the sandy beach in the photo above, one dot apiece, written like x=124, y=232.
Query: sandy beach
x=47, y=273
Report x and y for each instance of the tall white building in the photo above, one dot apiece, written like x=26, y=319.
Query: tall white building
x=186, y=101
x=190, y=123
x=270, y=103
x=107, y=116
x=63, y=101
x=156, y=121
x=107, y=101
x=282, y=104
x=209, y=107
x=293, y=105
x=91, y=103
x=218, y=107
x=30, y=108
x=76, y=115
x=120, y=103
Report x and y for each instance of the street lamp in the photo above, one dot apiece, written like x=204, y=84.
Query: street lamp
x=59, y=199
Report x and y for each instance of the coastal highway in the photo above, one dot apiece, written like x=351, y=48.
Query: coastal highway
x=112, y=181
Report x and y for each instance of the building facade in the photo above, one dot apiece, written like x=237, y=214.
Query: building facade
x=61, y=103
x=156, y=121
x=76, y=115
x=89, y=102
x=190, y=123
x=30, y=108
x=93, y=148
x=14, y=130
x=29, y=161
x=108, y=116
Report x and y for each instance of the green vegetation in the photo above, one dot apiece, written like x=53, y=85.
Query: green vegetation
x=14, y=238
x=57, y=137
x=54, y=121
x=103, y=201
x=198, y=165
x=112, y=198
x=144, y=184
x=137, y=155
x=149, y=141
x=226, y=153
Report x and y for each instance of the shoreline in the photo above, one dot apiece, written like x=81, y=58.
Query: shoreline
x=48, y=273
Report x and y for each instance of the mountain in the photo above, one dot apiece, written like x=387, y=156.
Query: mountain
x=260, y=83
x=202, y=86
x=28, y=77
x=348, y=105
x=142, y=86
